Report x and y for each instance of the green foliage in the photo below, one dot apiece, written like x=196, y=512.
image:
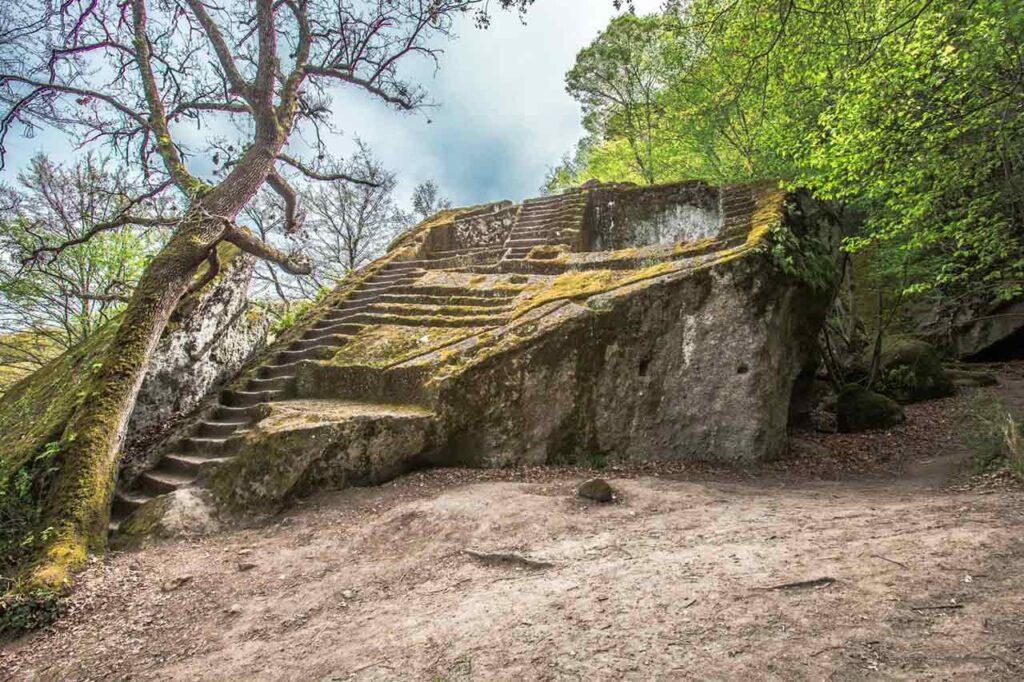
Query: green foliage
x=994, y=435
x=807, y=258
x=295, y=312
x=59, y=282
x=21, y=495
x=20, y=613
x=911, y=112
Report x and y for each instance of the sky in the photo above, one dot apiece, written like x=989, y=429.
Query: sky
x=502, y=116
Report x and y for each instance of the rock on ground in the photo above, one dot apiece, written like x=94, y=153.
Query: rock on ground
x=858, y=409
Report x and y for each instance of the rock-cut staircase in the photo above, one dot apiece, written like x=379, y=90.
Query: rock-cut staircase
x=386, y=298
x=271, y=381
x=547, y=221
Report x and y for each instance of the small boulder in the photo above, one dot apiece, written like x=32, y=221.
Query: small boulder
x=858, y=409
x=911, y=371
x=964, y=378
x=596, y=489
x=172, y=584
x=183, y=513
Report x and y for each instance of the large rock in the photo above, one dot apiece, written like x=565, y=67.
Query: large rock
x=995, y=334
x=302, y=446
x=858, y=409
x=671, y=327
x=911, y=371
x=694, y=364
x=185, y=512
x=206, y=343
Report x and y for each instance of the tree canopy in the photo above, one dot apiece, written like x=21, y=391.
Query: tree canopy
x=909, y=111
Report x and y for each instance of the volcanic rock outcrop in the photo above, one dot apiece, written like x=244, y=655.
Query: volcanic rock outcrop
x=611, y=321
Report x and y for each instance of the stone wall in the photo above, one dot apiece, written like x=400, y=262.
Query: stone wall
x=487, y=226
x=621, y=216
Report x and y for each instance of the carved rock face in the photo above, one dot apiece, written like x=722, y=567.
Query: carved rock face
x=203, y=348
x=663, y=323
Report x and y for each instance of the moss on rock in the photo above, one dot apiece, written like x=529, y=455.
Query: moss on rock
x=858, y=409
x=911, y=371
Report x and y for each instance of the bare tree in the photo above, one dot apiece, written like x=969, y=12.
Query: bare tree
x=69, y=294
x=347, y=225
x=147, y=78
x=427, y=200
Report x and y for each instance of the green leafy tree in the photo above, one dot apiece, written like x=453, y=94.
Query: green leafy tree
x=909, y=112
x=54, y=298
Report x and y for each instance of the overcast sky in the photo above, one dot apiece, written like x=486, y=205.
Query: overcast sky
x=502, y=119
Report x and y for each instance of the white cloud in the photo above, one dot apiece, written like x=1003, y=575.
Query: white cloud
x=503, y=114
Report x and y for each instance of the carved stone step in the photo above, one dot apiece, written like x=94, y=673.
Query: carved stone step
x=536, y=232
x=456, y=253
x=457, y=300
x=553, y=200
x=403, y=266
x=432, y=321
x=126, y=503
x=417, y=310
x=158, y=482
x=504, y=292
x=314, y=353
x=527, y=242
x=188, y=464
x=248, y=398
x=367, y=294
x=219, y=429
x=200, y=444
x=278, y=383
x=271, y=371
x=333, y=340
x=233, y=413
x=394, y=276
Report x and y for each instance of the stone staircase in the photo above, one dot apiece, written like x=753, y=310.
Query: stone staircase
x=547, y=221
x=386, y=298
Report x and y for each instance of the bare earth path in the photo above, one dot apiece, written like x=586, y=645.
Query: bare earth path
x=668, y=583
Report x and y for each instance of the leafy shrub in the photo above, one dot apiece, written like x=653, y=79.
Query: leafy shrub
x=20, y=613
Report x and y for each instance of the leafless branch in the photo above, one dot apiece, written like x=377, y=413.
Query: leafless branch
x=245, y=240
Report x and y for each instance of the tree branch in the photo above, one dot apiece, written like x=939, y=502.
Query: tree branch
x=400, y=101
x=157, y=114
x=43, y=87
x=325, y=177
x=114, y=224
x=212, y=270
x=221, y=49
x=292, y=217
x=245, y=240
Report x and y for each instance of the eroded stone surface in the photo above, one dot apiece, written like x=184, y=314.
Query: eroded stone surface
x=612, y=322
x=204, y=347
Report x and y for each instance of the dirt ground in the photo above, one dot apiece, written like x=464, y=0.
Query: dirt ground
x=916, y=572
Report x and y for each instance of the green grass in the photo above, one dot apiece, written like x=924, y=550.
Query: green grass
x=995, y=436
